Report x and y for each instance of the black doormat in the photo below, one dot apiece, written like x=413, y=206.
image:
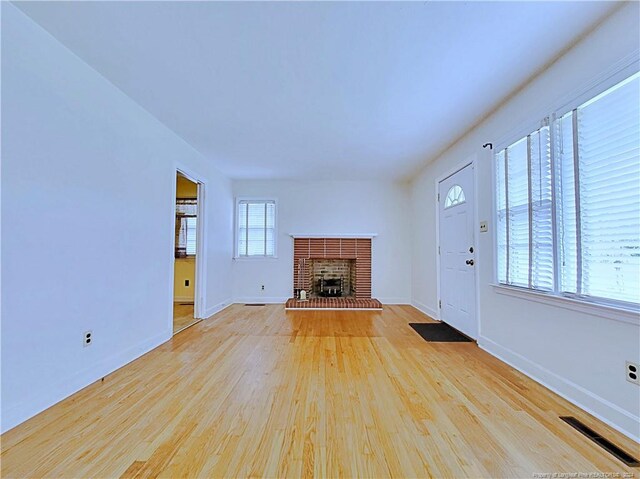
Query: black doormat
x=439, y=333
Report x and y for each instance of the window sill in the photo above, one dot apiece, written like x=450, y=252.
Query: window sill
x=615, y=313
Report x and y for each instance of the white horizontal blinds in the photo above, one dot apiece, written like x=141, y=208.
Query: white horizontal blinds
x=242, y=228
x=270, y=229
x=540, y=197
x=525, y=212
x=501, y=205
x=578, y=206
x=566, y=211
x=256, y=228
x=566, y=204
x=608, y=139
x=186, y=222
x=518, y=213
x=191, y=224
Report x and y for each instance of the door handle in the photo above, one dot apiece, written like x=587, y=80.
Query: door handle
x=469, y=262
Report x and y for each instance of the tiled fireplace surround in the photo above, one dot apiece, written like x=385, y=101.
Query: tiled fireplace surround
x=306, y=251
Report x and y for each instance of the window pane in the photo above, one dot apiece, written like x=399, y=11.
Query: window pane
x=455, y=197
x=270, y=230
x=608, y=130
x=242, y=229
x=191, y=235
x=518, y=214
x=256, y=227
x=271, y=215
x=566, y=205
x=541, y=211
x=501, y=204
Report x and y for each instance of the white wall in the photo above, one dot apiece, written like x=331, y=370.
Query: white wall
x=579, y=355
x=332, y=208
x=88, y=186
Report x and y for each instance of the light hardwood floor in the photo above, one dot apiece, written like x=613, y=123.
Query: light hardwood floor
x=182, y=316
x=260, y=392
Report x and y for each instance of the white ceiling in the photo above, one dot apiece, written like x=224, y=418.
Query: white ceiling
x=317, y=90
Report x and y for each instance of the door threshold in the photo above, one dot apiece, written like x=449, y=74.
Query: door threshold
x=187, y=326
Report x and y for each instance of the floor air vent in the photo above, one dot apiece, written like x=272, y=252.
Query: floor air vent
x=605, y=444
x=255, y=304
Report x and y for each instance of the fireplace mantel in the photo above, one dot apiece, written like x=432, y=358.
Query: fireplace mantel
x=350, y=236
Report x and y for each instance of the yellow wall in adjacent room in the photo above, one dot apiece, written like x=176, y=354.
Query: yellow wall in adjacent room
x=184, y=268
x=185, y=188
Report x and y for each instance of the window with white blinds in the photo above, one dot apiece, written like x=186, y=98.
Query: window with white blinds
x=525, y=225
x=576, y=205
x=600, y=175
x=186, y=227
x=191, y=225
x=256, y=232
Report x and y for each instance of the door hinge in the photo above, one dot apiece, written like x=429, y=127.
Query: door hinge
x=438, y=249
x=440, y=303
x=438, y=196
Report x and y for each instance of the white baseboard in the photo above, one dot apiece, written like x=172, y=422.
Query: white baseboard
x=261, y=299
x=392, y=301
x=423, y=308
x=217, y=308
x=604, y=410
x=183, y=299
x=31, y=406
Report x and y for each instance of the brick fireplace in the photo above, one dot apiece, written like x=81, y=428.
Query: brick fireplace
x=322, y=265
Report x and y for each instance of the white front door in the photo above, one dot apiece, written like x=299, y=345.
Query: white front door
x=457, y=251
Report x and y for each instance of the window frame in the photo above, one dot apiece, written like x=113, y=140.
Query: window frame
x=602, y=307
x=236, y=228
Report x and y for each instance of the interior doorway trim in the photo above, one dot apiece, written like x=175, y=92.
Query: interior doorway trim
x=199, y=302
x=473, y=162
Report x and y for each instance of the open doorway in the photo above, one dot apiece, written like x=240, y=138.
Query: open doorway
x=186, y=247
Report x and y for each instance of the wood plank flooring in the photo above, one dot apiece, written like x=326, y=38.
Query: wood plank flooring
x=182, y=316
x=260, y=392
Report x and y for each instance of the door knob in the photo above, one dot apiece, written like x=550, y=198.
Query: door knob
x=469, y=262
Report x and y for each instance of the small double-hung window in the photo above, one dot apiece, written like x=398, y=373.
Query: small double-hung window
x=256, y=228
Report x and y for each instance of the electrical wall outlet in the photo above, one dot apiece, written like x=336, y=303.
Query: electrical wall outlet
x=633, y=373
x=484, y=227
x=87, y=338
x=262, y=287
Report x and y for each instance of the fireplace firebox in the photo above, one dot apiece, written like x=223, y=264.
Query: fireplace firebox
x=331, y=278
